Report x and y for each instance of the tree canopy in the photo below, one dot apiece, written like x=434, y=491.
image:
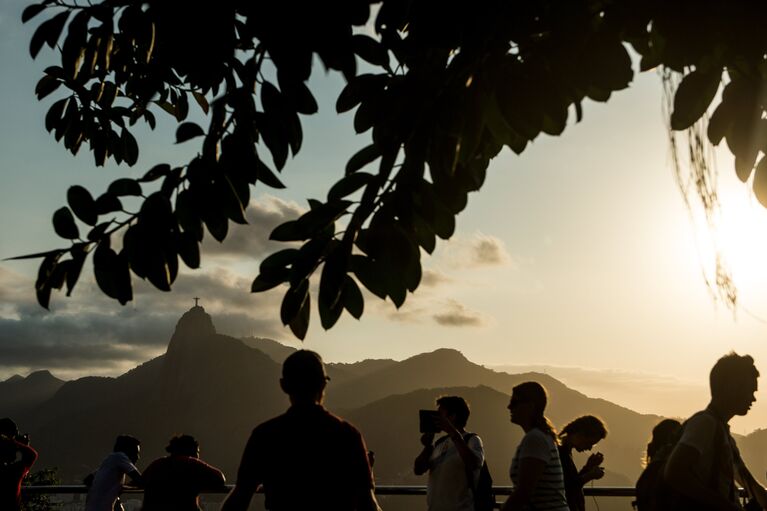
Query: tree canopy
x=446, y=86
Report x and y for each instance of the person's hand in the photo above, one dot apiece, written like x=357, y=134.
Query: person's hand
x=444, y=424
x=594, y=460
x=427, y=439
x=593, y=473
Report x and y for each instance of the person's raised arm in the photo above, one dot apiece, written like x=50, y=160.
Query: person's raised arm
x=679, y=475
x=28, y=455
x=469, y=457
x=421, y=464
x=530, y=472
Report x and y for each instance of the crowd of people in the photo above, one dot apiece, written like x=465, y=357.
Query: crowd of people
x=308, y=458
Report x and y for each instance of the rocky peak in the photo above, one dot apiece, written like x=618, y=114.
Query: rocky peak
x=193, y=329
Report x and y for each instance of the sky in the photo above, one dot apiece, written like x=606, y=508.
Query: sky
x=579, y=254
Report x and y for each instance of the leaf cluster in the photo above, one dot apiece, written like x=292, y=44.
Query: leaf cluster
x=444, y=90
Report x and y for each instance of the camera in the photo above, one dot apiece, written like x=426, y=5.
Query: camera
x=427, y=420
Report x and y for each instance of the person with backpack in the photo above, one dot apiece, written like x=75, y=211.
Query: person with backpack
x=535, y=469
x=581, y=435
x=704, y=465
x=456, y=465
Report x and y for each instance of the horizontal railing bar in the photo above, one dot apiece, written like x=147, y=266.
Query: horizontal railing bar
x=384, y=489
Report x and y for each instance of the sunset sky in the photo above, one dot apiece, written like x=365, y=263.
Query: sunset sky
x=578, y=253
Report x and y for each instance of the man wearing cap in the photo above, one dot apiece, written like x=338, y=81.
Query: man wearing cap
x=306, y=458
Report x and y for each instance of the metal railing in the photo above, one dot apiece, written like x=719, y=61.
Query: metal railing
x=384, y=489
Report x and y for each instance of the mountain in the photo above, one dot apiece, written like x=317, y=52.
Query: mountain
x=276, y=351
x=19, y=395
x=218, y=388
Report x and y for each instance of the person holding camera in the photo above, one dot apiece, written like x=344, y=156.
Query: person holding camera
x=452, y=459
x=16, y=458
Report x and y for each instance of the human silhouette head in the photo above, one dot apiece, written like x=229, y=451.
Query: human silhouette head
x=733, y=381
x=128, y=445
x=183, y=445
x=303, y=377
x=664, y=436
x=585, y=431
x=8, y=427
x=527, y=406
x=456, y=408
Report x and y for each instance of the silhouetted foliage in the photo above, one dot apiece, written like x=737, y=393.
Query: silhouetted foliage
x=445, y=87
x=46, y=477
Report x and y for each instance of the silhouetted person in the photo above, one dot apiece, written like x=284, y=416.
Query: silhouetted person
x=306, y=458
x=176, y=481
x=581, y=434
x=705, y=463
x=664, y=437
x=107, y=482
x=535, y=469
x=16, y=458
x=652, y=492
x=451, y=459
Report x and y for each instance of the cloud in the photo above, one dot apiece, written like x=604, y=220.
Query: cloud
x=93, y=334
x=488, y=251
x=433, y=278
x=458, y=315
x=252, y=240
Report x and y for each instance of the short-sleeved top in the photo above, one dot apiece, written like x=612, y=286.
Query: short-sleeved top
x=573, y=481
x=700, y=432
x=306, y=458
x=11, y=476
x=108, y=482
x=448, y=488
x=549, y=492
x=175, y=482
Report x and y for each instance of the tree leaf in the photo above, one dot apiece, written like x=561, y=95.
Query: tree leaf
x=75, y=267
x=352, y=297
x=187, y=131
x=124, y=186
x=760, y=181
x=370, y=50
x=108, y=203
x=293, y=301
x=348, y=185
x=46, y=86
x=32, y=10
x=692, y=98
x=156, y=172
x=202, y=101
x=362, y=157
x=266, y=176
x=82, y=204
x=64, y=224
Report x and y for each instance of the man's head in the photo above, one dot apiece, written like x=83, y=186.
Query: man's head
x=183, y=445
x=304, y=377
x=455, y=408
x=128, y=445
x=733, y=383
x=8, y=428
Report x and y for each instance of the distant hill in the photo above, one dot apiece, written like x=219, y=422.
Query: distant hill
x=19, y=395
x=276, y=351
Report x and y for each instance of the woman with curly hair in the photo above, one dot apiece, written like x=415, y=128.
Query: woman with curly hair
x=581, y=435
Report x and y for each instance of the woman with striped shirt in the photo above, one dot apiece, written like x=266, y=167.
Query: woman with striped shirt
x=536, y=471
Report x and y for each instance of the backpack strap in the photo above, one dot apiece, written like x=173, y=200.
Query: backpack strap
x=469, y=474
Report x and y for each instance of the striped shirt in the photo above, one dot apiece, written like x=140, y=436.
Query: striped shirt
x=549, y=492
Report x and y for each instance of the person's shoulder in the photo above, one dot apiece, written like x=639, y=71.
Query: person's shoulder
x=702, y=419
x=270, y=425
